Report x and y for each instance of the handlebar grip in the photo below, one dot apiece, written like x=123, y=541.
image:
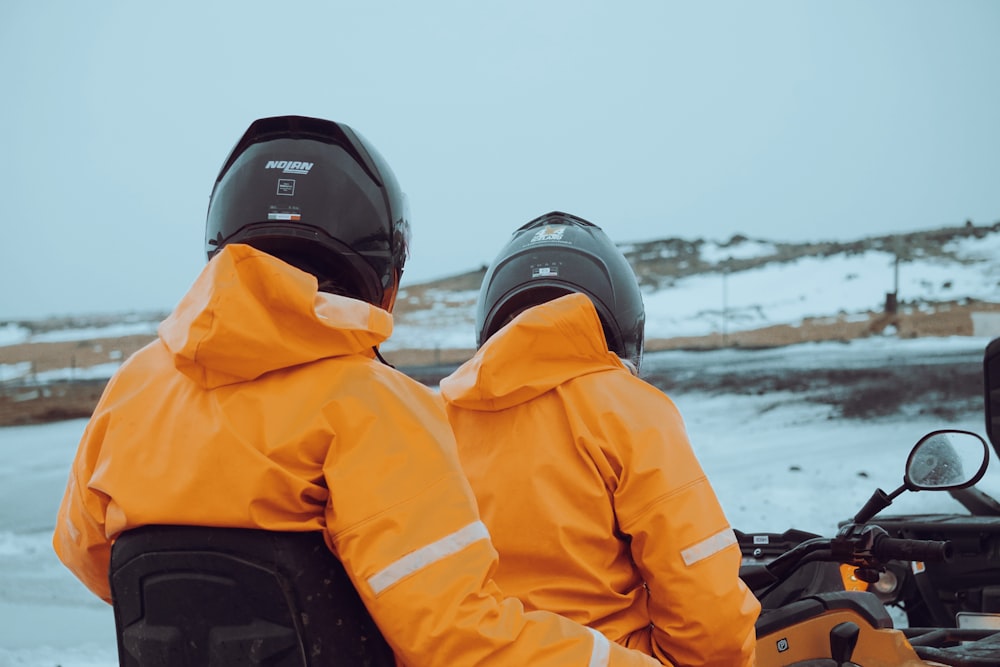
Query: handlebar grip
x=889, y=548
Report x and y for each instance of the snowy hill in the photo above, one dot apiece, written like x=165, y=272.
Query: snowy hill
x=699, y=288
x=692, y=288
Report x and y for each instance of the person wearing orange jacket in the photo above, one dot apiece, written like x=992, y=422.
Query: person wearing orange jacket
x=583, y=472
x=264, y=404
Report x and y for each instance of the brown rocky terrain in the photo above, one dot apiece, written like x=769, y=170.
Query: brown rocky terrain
x=71, y=399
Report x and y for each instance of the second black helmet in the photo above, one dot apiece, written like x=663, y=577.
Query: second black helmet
x=556, y=254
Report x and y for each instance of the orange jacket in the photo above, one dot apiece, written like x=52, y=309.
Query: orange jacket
x=592, y=493
x=261, y=406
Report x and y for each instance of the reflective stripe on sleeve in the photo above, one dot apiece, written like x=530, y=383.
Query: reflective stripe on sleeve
x=600, y=656
x=424, y=556
x=708, y=547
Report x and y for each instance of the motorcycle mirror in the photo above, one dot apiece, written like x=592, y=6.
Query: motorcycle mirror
x=940, y=461
x=991, y=386
x=946, y=459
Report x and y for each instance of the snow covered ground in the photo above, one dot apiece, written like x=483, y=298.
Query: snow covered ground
x=776, y=462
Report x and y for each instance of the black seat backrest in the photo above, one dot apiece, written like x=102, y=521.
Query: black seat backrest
x=223, y=596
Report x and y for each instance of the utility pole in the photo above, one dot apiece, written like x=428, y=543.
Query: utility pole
x=895, y=283
x=725, y=304
x=892, y=299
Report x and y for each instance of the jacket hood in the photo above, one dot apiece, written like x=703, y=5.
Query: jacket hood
x=539, y=350
x=248, y=313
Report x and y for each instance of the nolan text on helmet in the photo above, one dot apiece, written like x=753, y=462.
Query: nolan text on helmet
x=289, y=167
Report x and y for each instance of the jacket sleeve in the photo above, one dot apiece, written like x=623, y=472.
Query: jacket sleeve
x=79, y=539
x=702, y=612
x=403, y=520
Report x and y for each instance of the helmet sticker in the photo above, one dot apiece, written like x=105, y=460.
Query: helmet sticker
x=291, y=217
x=549, y=233
x=544, y=271
x=286, y=187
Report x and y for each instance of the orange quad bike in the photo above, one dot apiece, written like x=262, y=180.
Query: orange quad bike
x=816, y=614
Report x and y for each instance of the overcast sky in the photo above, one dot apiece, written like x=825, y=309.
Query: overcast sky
x=779, y=120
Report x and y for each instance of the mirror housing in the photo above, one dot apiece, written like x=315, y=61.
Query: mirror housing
x=940, y=461
x=945, y=460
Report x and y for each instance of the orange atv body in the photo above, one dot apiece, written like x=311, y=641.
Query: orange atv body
x=845, y=625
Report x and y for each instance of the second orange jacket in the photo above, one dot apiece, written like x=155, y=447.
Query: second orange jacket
x=593, y=494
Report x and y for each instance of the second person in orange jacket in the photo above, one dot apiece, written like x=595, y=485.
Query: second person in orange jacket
x=583, y=472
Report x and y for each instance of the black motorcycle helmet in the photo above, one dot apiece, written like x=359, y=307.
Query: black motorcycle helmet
x=317, y=195
x=557, y=254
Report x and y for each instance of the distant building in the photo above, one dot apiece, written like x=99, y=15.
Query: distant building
x=986, y=324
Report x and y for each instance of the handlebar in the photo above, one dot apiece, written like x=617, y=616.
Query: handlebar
x=862, y=546
x=891, y=548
